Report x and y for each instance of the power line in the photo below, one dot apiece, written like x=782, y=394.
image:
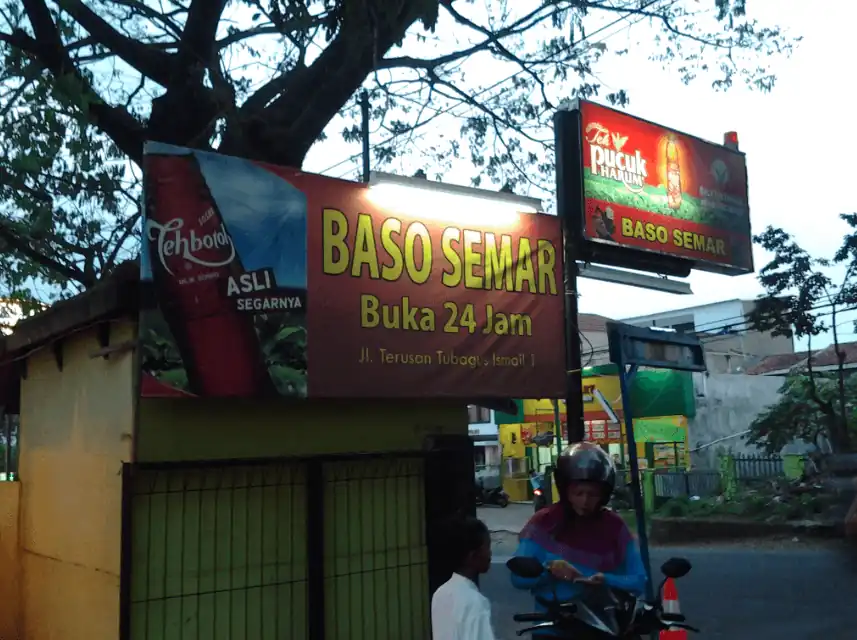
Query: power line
x=720, y=338
x=735, y=321
x=503, y=81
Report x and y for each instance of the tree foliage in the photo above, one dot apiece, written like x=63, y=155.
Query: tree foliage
x=804, y=299
x=84, y=84
x=797, y=416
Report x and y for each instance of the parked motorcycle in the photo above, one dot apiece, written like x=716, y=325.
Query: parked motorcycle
x=601, y=612
x=495, y=496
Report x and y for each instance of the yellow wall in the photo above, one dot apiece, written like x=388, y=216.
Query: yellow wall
x=10, y=560
x=76, y=427
x=608, y=386
x=510, y=440
x=181, y=429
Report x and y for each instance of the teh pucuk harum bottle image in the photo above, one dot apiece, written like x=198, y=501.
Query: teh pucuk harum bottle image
x=673, y=174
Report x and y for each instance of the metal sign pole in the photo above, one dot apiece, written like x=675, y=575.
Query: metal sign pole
x=625, y=378
x=569, y=205
x=364, y=134
x=637, y=346
x=557, y=428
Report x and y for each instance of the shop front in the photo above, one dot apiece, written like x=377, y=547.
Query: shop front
x=256, y=431
x=662, y=403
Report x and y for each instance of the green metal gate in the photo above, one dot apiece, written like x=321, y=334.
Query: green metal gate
x=219, y=553
x=317, y=549
x=376, y=560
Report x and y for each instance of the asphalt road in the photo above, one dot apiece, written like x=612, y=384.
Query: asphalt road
x=783, y=592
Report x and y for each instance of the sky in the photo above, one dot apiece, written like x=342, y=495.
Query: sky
x=798, y=140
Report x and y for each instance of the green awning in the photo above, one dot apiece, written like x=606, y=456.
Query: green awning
x=658, y=430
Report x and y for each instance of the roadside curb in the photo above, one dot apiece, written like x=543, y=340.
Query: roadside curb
x=690, y=530
x=509, y=531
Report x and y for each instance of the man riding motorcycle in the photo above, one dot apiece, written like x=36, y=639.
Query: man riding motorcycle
x=578, y=539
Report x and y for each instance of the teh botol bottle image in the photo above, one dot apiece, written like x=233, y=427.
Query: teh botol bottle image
x=192, y=257
x=673, y=174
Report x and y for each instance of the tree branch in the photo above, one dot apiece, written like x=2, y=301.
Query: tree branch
x=297, y=24
x=825, y=407
x=148, y=60
x=153, y=14
x=283, y=131
x=48, y=51
x=187, y=112
x=16, y=243
x=662, y=17
x=467, y=98
x=842, y=435
x=495, y=39
x=240, y=36
x=127, y=229
x=197, y=45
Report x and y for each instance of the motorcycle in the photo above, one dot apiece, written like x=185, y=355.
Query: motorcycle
x=540, y=500
x=601, y=612
x=495, y=496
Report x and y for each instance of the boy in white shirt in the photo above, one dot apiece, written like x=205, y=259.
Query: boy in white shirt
x=458, y=610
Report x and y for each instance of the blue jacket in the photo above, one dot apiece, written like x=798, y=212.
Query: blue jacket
x=629, y=576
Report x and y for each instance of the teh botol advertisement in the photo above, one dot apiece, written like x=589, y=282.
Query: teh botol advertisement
x=649, y=188
x=272, y=281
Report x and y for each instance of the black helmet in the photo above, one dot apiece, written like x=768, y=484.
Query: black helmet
x=585, y=461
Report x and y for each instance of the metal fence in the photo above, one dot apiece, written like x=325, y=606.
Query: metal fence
x=758, y=466
x=671, y=483
x=8, y=447
x=676, y=484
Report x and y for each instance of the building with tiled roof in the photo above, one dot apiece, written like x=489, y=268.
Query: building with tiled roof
x=825, y=359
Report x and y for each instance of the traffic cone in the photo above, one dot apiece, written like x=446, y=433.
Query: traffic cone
x=671, y=606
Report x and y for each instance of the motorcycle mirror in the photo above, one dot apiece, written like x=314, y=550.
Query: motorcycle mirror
x=676, y=568
x=525, y=567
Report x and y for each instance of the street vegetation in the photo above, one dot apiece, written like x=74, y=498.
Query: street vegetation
x=806, y=297
x=449, y=84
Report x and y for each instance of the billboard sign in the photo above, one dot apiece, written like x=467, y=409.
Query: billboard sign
x=649, y=188
x=272, y=281
x=598, y=391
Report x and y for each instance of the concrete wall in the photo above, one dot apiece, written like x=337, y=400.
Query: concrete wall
x=725, y=406
x=226, y=428
x=76, y=431
x=705, y=317
x=594, y=343
x=484, y=428
x=10, y=561
x=737, y=353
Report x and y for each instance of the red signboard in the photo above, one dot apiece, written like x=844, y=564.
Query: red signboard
x=650, y=188
x=272, y=281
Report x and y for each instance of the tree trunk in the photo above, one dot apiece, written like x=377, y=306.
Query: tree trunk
x=842, y=424
x=827, y=408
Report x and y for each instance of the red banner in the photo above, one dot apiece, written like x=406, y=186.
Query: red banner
x=655, y=189
x=271, y=281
